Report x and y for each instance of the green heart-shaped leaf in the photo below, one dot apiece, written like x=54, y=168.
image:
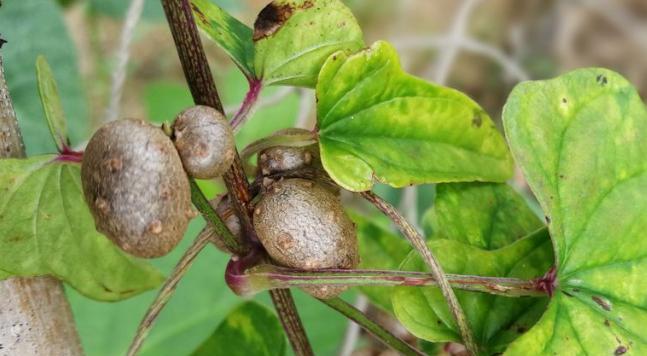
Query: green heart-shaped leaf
x=581, y=140
x=293, y=38
x=250, y=329
x=376, y=121
x=51, y=102
x=46, y=229
x=478, y=233
x=233, y=36
x=379, y=248
x=484, y=215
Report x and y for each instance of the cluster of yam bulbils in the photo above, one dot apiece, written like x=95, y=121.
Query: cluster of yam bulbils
x=135, y=182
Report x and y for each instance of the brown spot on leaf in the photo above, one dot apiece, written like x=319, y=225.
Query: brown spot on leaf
x=199, y=13
x=620, y=350
x=272, y=18
x=607, y=323
x=601, y=79
x=602, y=303
x=477, y=121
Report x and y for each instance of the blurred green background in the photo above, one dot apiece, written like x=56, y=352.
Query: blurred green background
x=502, y=42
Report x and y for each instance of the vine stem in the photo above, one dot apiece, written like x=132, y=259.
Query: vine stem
x=220, y=228
x=204, y=92
x=166, y=292
x=248, y=106
x=266, y=276
x=371, y=326
x=419, y=244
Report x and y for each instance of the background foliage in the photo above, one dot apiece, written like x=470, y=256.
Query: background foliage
x=78, y=37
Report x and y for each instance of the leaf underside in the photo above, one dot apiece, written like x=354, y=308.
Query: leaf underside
x=378, y=123
x=581, y=141
x=47, y=229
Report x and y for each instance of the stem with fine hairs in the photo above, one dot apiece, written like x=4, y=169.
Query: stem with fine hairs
x=262, y=277
x=419, y=244
x=166, y=292
x=371, y=326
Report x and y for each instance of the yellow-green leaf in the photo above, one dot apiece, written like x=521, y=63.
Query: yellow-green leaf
x=46, y=229
x=483, y=229
x=377, y=122
x=581, y=141
x=250, y=329
x=293, y=38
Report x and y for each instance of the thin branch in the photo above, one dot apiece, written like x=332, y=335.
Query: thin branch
x=436, y=270
x=249, y=105
x=280, y=94
x=201, y=202
x=287, y=310
x=469, y=45
x=447, y=57
x=166, y=292
x=353, y=329
x=204, y=92
x=371, y=326
x=265, y=276
x=123, y=54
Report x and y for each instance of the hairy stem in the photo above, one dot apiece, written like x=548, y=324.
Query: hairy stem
x=209, y=213
x=204, y=92
x=166, y=292
x=267, y=276
x=287, y=310
x=419, y=244
x=249, y=105
x=371, y=326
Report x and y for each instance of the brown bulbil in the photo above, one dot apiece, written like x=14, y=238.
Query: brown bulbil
x=136, y=189
x=205, y=141
x=303, y=225
x=227, y=213
x=279, y=159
